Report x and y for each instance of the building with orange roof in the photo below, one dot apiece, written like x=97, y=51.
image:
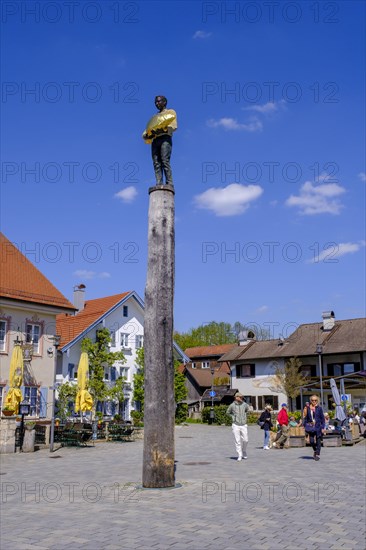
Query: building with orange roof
x=29, y=304
x=123, y=315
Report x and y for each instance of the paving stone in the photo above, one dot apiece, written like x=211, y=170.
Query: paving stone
x=261, y=504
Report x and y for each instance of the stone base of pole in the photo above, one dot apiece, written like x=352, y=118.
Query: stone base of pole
x=159, y=403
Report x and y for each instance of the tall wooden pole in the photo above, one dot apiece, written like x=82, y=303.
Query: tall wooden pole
x=159, y=407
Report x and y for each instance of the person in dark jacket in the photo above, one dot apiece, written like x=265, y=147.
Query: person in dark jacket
x=265, y=417
x=315, y=416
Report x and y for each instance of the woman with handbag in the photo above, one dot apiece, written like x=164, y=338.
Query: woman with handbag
x=265, y=422
x=314, y=424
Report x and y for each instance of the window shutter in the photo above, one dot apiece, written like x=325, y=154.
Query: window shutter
x=260, y=402
x=43, y=402
x=113, y=374
x=275, y=401
x=252, y=371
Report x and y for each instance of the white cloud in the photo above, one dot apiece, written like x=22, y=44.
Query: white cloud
x=84, y=274
x=336, y=250
x=202, y=34
x=362, y=176
x=261, y=309
x=228, y=201
x=127, y=195
x=317, y=199
x=254, y=125
x=268, y=108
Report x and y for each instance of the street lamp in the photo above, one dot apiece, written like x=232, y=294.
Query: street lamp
x=56, y=342
x=319, y=351
x=24, y=410
x=212, y=393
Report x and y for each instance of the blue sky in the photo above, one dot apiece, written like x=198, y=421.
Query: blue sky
x=268, y=159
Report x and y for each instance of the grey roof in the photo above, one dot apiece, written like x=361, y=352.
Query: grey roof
x=347, y=336
x=221, y=392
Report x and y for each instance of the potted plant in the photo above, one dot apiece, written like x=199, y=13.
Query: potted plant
x=8, y=411
x=30, y=425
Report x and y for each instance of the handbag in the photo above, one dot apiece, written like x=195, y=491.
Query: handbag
x=310, y=427
x=260, y=423
x=309, y=423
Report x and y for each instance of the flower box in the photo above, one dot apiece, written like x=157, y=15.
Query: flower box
x=7, y=412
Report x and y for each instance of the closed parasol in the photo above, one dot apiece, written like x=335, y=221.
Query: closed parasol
x=84, y=401
x=14, y=395
x=339, y=412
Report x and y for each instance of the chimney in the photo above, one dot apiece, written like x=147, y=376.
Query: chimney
x=79, y=297
x=328, y=320
x=245, y=336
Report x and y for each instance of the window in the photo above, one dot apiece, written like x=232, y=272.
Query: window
x=113, y=374
x=106, y=374
x=340, y=369
x=251, y=400
x=193, y=365
x=308, y=371
x=263, y=400
x=70, y=370
x=125, y=311
x=205, y=364
x=31, y=396
x=139, y=339
x=245, y=371
x=1, y=396
x=33, y=334
x=124, y=340
x=113, y=338
x=3, y=331
x=123, y=371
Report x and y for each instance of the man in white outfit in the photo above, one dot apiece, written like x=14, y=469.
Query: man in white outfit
x=238, y=412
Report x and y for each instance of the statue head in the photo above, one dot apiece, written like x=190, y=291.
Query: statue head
x=160, y=102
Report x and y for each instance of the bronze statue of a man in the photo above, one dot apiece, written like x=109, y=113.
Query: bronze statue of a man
x=159, y=131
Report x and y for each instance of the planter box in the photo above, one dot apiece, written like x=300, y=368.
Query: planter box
x=8, y=413
x=332, y=441
x=297, y=441
x=298, y=431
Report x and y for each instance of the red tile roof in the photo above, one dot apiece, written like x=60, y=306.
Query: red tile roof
x=208, y=351
x=21, y=280
x=203, y=377
x=71, y=326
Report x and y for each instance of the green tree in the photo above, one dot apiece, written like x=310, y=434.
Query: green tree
x=66, y=394
x=180, y=390
x=211, y=334
x=289, y=379
x=100, y=358
x=138, y=380
x=214, y=333
x=221, y=381
x=116, y=392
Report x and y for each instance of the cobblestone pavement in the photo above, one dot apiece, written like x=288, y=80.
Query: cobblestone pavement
x=90, y=497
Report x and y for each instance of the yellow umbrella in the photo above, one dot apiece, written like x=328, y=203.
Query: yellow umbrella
x=14, y=395
x=84, y=401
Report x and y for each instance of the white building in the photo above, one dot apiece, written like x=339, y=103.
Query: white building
x=123, y=315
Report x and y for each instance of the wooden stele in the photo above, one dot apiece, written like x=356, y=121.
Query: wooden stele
x=159, y=403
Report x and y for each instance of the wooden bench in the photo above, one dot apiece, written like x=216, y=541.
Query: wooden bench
x=120, y=432
x=75, y=434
